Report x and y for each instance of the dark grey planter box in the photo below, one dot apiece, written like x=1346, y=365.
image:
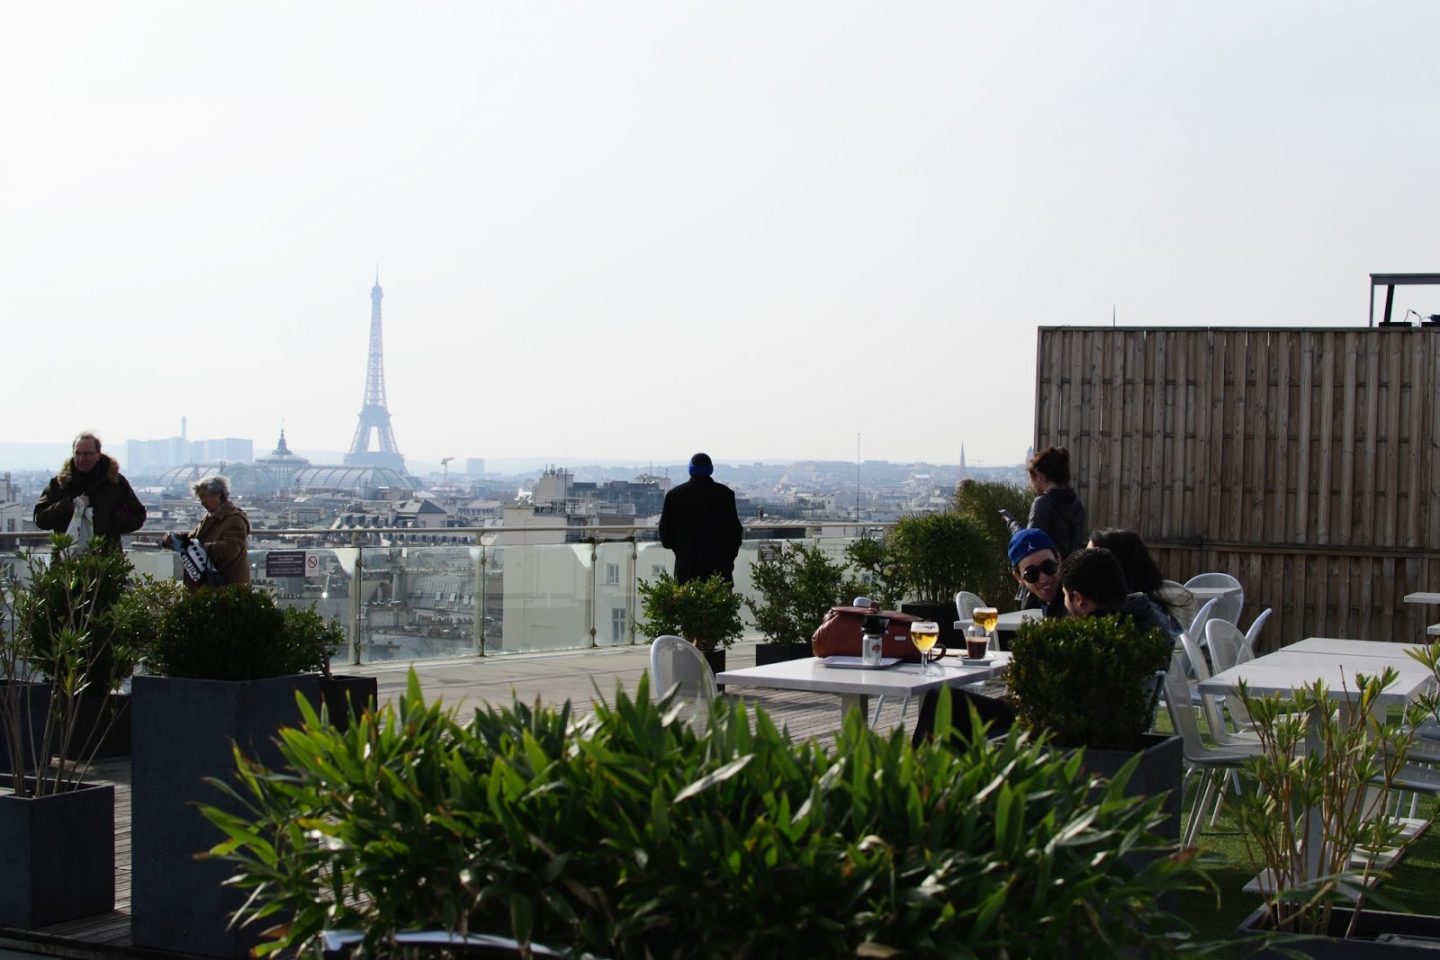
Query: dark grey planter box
x=780, y=652
x=57, y=856
x=1379, y=934
x=102, y=725
x=1161, y=769
x=34, y=705
x=347, y=696
x=183, y=731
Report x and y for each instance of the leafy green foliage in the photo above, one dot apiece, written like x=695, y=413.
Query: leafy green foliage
x=705, y=612
x=937, y=554
x=139, y=614
x=878, y=570
x=1087, y=681
x=307, y=630
x=1338, y=765
x=797, y=585
x=235, y=633
x=60, y=630
x=629, y=834
x=983, y=500
x=73, y=596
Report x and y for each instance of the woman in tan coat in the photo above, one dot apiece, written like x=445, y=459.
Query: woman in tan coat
x=224, y=532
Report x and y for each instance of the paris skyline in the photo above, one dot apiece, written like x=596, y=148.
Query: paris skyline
x=631, y=233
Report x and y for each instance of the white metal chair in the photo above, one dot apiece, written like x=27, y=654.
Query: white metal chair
x=1228, y=647
x=1182, y=602
x=675, y=665
x=965, y=604
x=1227, y=606
x=1209, y=762
x=1255, y=626
x=1195, y=629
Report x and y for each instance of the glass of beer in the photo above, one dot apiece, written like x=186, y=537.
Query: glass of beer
x=924, y=633
x=986, y=618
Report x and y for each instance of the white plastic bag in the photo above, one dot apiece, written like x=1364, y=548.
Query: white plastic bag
x=82, y=527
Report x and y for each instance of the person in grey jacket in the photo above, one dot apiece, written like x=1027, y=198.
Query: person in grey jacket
x=1056, y=509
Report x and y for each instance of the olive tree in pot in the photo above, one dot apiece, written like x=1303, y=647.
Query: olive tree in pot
x=57, y=832
x=797, y=586
x=230, y=669
x=705, y=612
x=1091, y=683
x=1323, y=895
x=936, y=555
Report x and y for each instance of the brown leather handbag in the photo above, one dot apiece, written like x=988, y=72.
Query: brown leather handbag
x=839, y=635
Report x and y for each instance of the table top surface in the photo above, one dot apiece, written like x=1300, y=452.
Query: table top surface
x=1210, y=593
x=810, y=674
x=1422, y=597
x=1357, y=648
x=1283, y=671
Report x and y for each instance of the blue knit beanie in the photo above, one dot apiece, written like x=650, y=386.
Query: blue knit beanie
x=1026, y=542
x=700, y=465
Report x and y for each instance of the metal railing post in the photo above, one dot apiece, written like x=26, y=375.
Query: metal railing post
x=479, y=631
x=357, y=585
x=632, y=575
x=590, y=598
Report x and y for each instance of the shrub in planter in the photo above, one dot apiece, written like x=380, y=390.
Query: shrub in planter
x=1087, y=681
x=937, y=554
x=1361, y=754
x=797, y=588
x=705, y=612
x=76, y=592
x=728, y=842
x=236, y=633
x=983, y=500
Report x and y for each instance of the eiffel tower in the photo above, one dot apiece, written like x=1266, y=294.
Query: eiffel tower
x=373, y=414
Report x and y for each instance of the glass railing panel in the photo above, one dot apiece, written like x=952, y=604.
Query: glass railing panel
x=537, y=597
x=614, y=593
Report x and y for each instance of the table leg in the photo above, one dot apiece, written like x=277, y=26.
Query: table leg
x=849, y=701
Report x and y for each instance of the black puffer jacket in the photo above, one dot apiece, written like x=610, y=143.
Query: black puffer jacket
x=1059, y=513
x=113, y=503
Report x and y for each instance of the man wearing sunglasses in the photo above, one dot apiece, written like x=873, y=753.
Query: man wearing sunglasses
x=1035, y=564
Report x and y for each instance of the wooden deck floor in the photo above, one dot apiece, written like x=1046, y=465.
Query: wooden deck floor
x=551, y=678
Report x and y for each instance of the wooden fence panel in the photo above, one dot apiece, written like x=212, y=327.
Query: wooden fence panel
x=1303, y=461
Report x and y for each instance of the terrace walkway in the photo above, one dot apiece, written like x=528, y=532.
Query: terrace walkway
x=551, y=677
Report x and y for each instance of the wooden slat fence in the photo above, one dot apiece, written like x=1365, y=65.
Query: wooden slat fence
x=1303, y=461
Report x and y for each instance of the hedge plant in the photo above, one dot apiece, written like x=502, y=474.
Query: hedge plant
x=628, y=834
x=235, y=633
x=705, y=612
x=1087, y=681
x=797, y=586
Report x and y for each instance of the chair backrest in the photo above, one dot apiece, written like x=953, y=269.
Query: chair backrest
x=676, y=664
x=1226, y=643
x=1228, y=605
x=1254, y=630
x=1181, y=601
x=1177, y=702
x=1195, y=630
x=965, y=604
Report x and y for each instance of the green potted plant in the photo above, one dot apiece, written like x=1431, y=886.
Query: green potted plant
x=1090, y=683
x=797, y=586
x=345, y=696
x=936, y=555
x=1323, y=895
x=734, y=841
x=226, y=674
x=56, y=646
x=705, y=612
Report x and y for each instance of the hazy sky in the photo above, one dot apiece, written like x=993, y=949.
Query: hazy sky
x=633, y=230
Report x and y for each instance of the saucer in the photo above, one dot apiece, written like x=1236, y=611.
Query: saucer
x=976, y=662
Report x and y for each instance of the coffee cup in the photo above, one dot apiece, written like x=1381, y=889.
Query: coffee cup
x=976, y=647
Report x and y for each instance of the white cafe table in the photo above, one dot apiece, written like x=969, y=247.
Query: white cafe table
x=1336, y=662
x=1008, y=622
x=1430, y=598
x=855, y=687
x=1202, y=594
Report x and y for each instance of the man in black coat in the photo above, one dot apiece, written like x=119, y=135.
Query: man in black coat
x=699, y=522
x=90, y=478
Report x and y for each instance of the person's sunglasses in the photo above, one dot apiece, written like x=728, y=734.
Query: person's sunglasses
x=1045, y=568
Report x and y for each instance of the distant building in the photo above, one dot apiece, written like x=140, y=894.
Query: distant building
x=475, y=467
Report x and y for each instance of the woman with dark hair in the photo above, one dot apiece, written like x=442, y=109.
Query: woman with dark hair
x=1142, y=575
x=1056, y=509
